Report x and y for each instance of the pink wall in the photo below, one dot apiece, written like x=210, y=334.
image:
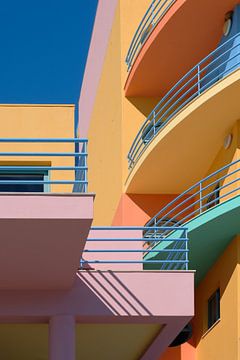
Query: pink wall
x=98, y=46
x=114, y=245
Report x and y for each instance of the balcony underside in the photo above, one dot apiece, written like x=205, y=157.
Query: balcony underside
x=221, y=224
x=42, y=238
x=199, y=129
x=154, y=71
x=112, y=304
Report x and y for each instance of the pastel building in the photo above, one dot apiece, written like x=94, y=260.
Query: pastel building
x=121, y=241
x=160, y=108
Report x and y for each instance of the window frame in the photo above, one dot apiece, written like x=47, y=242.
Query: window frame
x=213, y=318
x=45, y=173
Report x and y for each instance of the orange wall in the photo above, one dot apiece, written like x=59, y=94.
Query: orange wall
x=137, y=209
x=185, y=352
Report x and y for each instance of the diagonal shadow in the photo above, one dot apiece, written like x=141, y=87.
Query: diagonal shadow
x=119, y=293
x=90, y=273
x=100, y=295
x=130, y=293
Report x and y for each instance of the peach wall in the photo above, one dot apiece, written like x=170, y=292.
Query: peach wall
x=137, y=209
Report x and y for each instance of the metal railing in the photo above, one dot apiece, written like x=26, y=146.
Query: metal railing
x=216, y=188
x=41, y=168
x=153, y=15
x=215, y=66
x=118, y=246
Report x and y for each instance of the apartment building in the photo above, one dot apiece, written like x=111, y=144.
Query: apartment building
x=121, y=241
x=160, y=108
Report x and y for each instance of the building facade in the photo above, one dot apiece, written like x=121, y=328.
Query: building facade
x=163, y=126
x=121, y=241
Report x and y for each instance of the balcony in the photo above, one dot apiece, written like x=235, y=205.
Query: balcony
x=185, y=113
x=114, y=268
x=214, y=200
x=118, y=248
x=44, y=207
x=161, y=48
x=151, y=18
x=111, y=294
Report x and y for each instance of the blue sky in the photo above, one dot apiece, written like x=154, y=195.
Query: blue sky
x=43, y=49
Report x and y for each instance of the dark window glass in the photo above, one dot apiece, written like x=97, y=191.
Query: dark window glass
x=213, y=199
x=214, y=308
x=21, y=187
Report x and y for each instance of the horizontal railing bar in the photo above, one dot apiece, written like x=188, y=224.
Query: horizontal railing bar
x=136, y=227
x=40, y=182
x=132, y=261
x=33, y=167
x=139, y=239
x=43, y=154
x=136, y=251
x=42, y=140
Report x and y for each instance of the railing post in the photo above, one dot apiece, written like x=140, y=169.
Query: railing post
x=198, y=79
x=155, y=230
x=186, y=248
x=85, y=165
x=154, y=123
x=200, y=197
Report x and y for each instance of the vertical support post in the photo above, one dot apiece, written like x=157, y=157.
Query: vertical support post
x=61, y=338
x=199, y=79
x=155, y=231
x=186, y=249
x=85, y=171
x=200, y=197
x=154, y=124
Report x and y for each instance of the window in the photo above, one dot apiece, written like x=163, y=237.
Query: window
x=214, y=308
x=213, y=199
x=23, y=176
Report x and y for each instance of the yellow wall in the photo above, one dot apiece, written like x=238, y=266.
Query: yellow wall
x=39, y=121
x=115, y=120
x=104, y=135
x=135, y=110
x=221, y=341
x=225, y=157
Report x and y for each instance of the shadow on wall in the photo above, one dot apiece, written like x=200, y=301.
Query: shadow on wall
x=144, y=105
x=108, y=288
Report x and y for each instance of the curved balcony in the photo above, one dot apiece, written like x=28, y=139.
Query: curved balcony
x=212, y=69
x=151, y=18
x=210, y=211
x=163, y=51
